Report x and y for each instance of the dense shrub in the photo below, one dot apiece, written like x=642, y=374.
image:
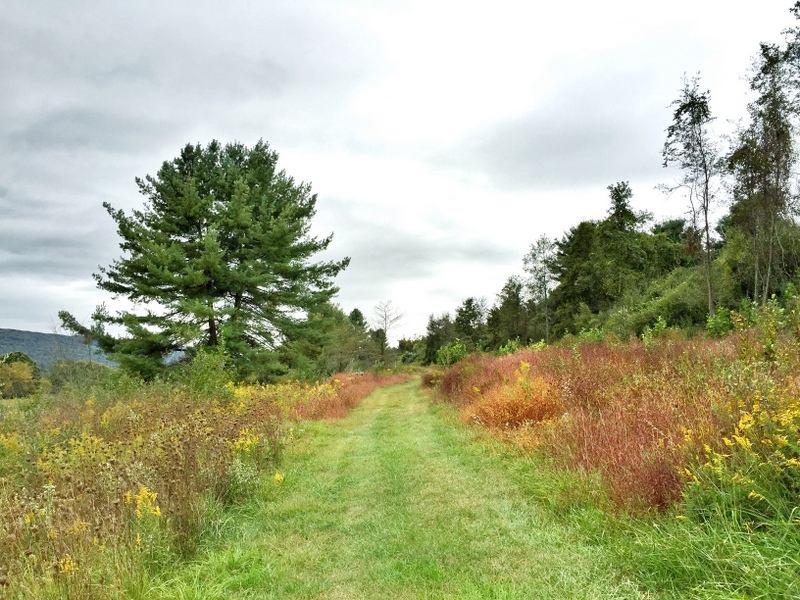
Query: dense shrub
x=19, y=375
x=621, y=410
x=451, y=353
x=77, y=373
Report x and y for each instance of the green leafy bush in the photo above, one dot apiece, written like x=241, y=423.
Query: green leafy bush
x=77, y=373
x=451, y=353
x=720, y=324
x=510, y=347
x=19, y=375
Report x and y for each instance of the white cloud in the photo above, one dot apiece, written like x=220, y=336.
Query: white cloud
x=442, y=137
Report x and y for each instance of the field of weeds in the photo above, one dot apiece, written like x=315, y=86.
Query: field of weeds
x=637, y=417
x=105, y=484
x=702, y=435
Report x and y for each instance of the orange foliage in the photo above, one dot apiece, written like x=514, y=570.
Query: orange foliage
x=622, y=411
x=512, y=405
x=342, y=392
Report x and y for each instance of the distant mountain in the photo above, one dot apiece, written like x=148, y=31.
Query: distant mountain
x=48, y=348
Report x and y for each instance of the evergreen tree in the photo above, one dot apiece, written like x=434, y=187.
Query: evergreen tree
x=598, y=265
x=440, y=332
x=509, y=317
x=347, y=346
x=220, y=255
x=470, y=323
x=357, y=319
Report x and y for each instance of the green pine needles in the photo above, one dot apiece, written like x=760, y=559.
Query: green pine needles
x=219, y=257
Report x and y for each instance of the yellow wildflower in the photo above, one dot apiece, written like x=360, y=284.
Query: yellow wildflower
x=67, y=566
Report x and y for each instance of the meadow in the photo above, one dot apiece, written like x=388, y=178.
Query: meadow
x=107, y=482
x=672, y=461
x=690, y=446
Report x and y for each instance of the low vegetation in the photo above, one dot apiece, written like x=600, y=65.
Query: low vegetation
x=397, y=501
x=106, y=480
x=696, y=438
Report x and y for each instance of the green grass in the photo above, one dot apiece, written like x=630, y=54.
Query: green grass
x=396, y=501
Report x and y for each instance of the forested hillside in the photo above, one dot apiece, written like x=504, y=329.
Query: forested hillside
x=46, y=349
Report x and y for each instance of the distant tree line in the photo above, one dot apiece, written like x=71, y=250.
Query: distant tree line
x=624, y=273
x=220, y=259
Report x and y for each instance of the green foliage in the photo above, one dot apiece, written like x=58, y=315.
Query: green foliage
x=357, y=318
x=208, y=376
x=601, y=266
x=720, y=324
x=21, y=357
x=509, y=318
x=439, y=333
x=510, y=347
x=451, y=353
x=470, y=323
x=653, y=333
x=594, y=335
x=347, y=344
x=16, y=380
x=411, y=352
x=679, y=297
x=77, y=373
x=690, y=147
x=539, y=266
x=19, y=375
x=220, y=254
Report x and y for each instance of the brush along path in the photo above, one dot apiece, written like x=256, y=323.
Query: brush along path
x=392, y=502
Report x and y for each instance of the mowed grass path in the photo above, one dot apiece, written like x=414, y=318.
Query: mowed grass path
x=395, y=502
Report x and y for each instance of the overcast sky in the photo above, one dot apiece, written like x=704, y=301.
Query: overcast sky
x=442, y=138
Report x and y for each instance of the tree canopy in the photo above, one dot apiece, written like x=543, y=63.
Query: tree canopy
x=220, y=256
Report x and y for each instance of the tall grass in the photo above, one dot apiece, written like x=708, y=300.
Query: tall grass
x=619, y=410
x=102, y=485
x=698, y=439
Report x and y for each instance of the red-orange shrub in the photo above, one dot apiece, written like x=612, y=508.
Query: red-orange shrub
x=342, y=392
x=634, y=415
x=524, y=402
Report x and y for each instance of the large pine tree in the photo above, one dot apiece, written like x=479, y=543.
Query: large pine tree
x=220, y=255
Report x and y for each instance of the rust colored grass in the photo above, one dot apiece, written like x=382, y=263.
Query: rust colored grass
x=633, y=415
x=343, y=392
x=524, y=402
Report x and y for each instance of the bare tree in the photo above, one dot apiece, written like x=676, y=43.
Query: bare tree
x=385, y=317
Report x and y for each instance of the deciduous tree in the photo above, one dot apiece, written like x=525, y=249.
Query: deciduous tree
x=690, y=146
x=385, y=318
x=538, y=264
x=761, y=164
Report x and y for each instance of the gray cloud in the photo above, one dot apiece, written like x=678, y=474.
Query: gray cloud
x=78, y=129
x=601, y=127
x=391, y=256
x=96, y=93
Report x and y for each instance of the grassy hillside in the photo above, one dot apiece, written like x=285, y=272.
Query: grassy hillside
x=48, y=348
